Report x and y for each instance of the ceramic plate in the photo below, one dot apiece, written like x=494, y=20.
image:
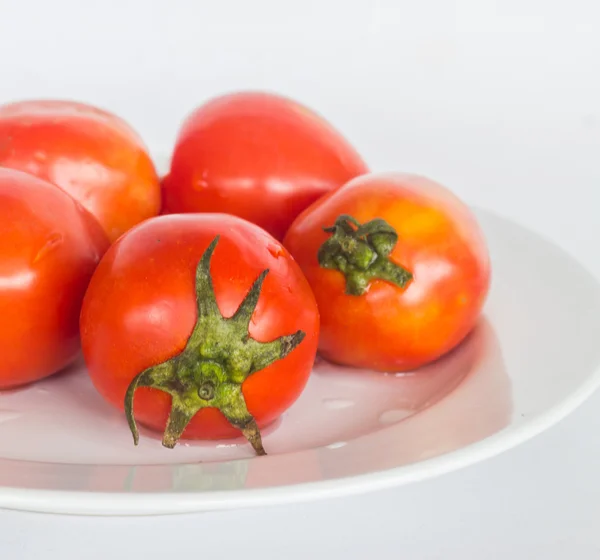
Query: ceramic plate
x=533, y=357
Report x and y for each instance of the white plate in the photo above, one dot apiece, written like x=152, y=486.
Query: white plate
x=533, y=358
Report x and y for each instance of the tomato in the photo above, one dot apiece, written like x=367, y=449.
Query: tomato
x=182, y=307
x=399, y=268
x=259, y=156
x=92, y=154
x=49, y=248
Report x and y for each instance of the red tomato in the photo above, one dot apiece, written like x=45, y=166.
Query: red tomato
x=150, y=319
x=259, y=156
x=93, y=155
x=49, y=248
x=399, y=268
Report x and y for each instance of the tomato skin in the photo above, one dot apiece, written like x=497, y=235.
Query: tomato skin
x=49, y=248
x=259, y=156
x=391, y=328
x=140, y=310
x=90, y=153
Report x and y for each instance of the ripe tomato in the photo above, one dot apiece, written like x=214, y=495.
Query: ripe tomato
x=93, y=155
x=259, y=156
x=399, y=268
x=49, y=248
x=182, y=305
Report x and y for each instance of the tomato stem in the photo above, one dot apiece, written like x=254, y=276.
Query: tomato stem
x=361, y=253
x=210, y=371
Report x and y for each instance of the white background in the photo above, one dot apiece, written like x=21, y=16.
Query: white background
x=499, y=100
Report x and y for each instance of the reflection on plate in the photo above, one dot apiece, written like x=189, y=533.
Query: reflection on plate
x=531, y=359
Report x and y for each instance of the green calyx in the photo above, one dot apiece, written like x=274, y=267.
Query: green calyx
x=219, y=356
x=361, y=253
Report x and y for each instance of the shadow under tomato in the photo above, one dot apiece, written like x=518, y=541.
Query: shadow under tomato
x=478, y=407
x=460, y=399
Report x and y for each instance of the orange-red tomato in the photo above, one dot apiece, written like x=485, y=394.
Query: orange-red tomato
x=259, y=156
x=399, y=268
x=151, y=293
x=90, y=153
x=49, y=248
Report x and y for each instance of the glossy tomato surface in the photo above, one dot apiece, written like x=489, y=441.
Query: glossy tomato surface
x=140, y=310
x=259, y=156
x=90, y=153
x=49, y=248
x=394, y=328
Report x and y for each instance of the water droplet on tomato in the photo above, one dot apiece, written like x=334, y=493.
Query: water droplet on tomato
x=51, y=243
x=338, y=404
x=200, y=184
x=393, y=416
x=275, y=250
